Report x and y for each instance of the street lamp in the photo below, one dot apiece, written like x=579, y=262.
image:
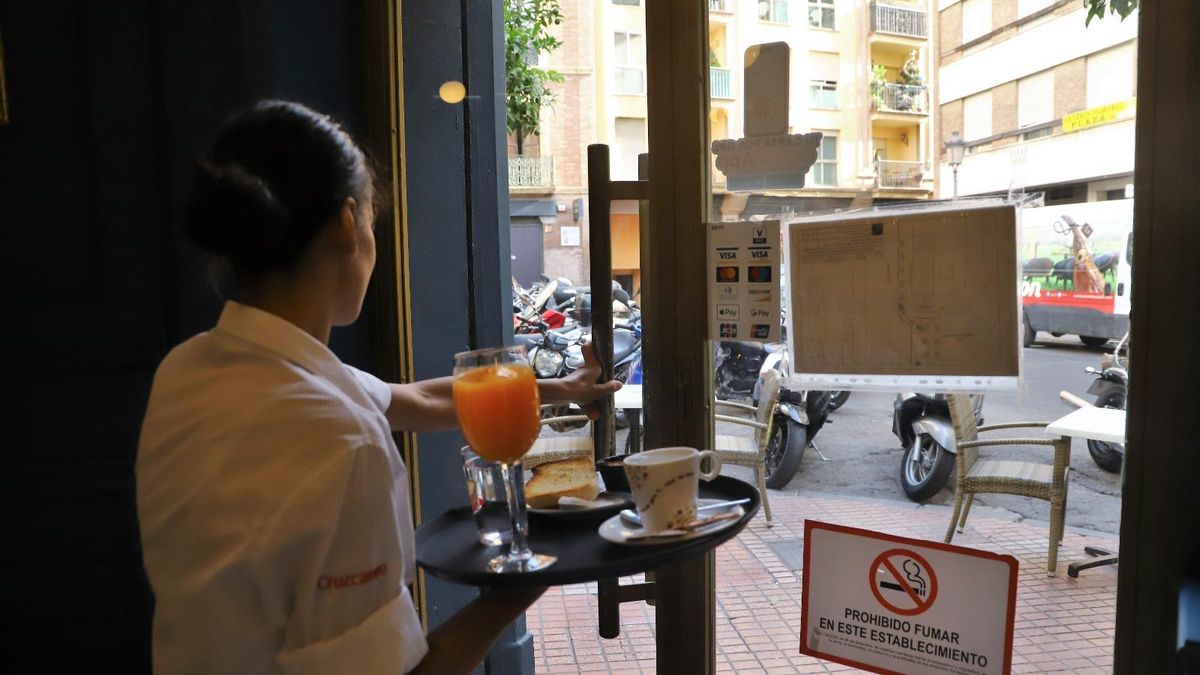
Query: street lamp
x=955, y=148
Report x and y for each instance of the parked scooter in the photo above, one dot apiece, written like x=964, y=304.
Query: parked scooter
x=799, y=415
x=922, y=423
x=1110, y=388
x=838, y=399
x=738, y=365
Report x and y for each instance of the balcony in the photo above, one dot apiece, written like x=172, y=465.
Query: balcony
x=530, y=172
x=899, y=19
x=900, y=98
x=896, y=174
x=720, y=5
x=720, y=83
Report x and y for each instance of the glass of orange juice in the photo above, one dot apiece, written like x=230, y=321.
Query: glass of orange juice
x=496, y=400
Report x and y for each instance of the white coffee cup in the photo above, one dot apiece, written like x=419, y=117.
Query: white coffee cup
x=665, y=484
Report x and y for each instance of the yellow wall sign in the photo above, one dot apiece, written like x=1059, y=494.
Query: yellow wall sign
x=1094, y=117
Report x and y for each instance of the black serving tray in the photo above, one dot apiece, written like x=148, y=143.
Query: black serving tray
x=448, y=546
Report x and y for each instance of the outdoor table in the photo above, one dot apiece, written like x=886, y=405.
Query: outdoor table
x=1097, y=424
x=629, y=399
x=448, y=548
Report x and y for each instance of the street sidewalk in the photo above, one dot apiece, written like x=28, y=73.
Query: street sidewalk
x=1062, y=624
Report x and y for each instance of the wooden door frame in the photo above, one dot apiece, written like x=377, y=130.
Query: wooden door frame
x=1160, y=511
x=678, y=387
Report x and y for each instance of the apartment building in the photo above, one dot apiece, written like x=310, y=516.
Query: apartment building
x=858, y=73
x=1041, y=101
x=846, y=81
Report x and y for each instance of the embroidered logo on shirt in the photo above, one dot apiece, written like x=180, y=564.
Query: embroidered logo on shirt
x=346, y=580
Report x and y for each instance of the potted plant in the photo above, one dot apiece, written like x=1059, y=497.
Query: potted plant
x=878, y=80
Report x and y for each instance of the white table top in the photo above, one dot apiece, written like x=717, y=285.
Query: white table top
x=628, y=397
x=1098, y=424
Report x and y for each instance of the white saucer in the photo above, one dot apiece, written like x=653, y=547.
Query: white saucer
x=618, y=532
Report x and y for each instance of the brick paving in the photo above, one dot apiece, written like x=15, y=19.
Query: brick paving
x=1062, y=624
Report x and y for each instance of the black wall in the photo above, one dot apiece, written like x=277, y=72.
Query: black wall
x=109, y=107
x=457, y=198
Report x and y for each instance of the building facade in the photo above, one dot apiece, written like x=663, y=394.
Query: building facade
x=1042, y=101
x=858, y=73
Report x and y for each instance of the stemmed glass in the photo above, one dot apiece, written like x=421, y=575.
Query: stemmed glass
x=496, y=400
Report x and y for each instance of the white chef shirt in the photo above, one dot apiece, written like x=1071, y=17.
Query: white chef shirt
x=274, y=509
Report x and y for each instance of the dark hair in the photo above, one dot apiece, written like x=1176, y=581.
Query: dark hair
x=275, y=175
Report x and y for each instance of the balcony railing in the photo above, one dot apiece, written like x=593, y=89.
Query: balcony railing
x=896, y=174
x=719, y=5
x=899, y=20
x=720, y=82
x=530, y=172
x=901, y=98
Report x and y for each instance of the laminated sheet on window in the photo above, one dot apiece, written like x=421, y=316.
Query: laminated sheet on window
x=905, y=298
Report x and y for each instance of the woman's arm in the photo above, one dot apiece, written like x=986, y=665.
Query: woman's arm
x=460, y=644
x=582, y=386
x=428, y=405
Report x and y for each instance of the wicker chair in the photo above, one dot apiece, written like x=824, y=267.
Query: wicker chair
x=977, y=475
x=751, y=450
x=555, y=448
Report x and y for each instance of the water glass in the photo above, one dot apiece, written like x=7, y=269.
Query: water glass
x=489, y=500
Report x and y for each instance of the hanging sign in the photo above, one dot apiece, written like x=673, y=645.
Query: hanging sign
x=743, y=281
x=890, y=604
x=1099, y=116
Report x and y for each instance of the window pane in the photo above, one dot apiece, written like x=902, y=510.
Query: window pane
x=631, y=142
x=823, y=66
x=633, y=3
x=620, y=47
x=823, y=95
x=781, y=14
x=1110, y=76
x=1027, y=7
x=976, y=18
x=829, y=147
x=628, y=80
x=977, y=116
x=1035, y=99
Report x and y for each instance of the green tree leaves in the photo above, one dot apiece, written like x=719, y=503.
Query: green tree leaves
x=1096, y=8
x=526, y=35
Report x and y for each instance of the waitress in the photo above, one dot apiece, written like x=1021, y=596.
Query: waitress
x=274, y=506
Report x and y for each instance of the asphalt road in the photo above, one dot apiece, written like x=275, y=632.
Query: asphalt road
x=864, y=456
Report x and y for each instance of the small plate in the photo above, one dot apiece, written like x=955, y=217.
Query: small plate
x=613, y=502
x=617, y=531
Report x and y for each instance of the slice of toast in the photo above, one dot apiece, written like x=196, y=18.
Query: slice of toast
x=566, y=478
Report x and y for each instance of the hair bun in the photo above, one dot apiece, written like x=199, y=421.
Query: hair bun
x=234, y=214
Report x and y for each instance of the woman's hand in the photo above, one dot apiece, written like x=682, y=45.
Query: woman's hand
x=582, y=386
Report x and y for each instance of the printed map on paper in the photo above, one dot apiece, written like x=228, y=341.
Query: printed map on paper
x=929, y=292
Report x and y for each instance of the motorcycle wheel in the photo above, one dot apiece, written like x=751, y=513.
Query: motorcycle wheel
x=927, y=475
x=838, y=399
x=785, y=448
x=1109, y=456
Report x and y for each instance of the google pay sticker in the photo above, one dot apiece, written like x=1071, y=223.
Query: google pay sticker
x=744, y=281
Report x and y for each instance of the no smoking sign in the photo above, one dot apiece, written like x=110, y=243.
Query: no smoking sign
x=896, y=605
x=903, y=581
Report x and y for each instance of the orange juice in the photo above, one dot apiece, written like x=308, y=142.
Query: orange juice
x=499, y=410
